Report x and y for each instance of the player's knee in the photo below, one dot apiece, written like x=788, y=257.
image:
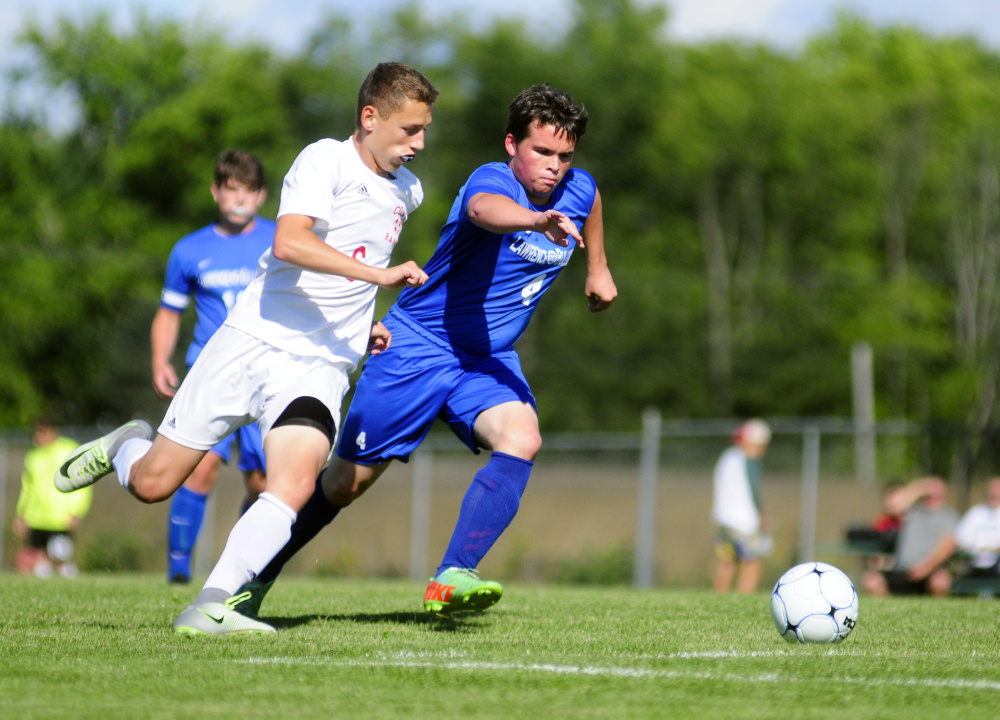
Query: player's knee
x=344, y=489
x=256, y=484
x=522, y=442
x=344, y=482
x=151, y=487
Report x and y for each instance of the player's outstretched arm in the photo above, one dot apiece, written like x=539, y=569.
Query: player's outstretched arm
x=162, y=341
x=499, y=214
x=600, y=287
x=295, y=243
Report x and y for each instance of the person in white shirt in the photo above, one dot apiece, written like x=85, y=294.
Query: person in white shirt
x=978, y=533
x=739, y=541
x=283, y=356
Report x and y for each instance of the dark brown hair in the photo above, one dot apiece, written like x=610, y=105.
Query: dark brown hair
x=240, y=166
x=548, y=106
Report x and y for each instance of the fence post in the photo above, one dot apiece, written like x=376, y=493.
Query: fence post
x=420, y=513
x=809, y=494
x=864, y=413
x=645, y=533
x=3, y=496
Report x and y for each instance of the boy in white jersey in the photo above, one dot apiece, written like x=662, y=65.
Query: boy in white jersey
x=283, y=356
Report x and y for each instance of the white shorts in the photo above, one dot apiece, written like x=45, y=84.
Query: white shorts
x=238, y=379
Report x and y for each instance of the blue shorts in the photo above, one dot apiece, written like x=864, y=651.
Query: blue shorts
x=251, y=449
x=417, y=380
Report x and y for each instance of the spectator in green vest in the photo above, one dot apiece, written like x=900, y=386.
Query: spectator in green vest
x=47, y=518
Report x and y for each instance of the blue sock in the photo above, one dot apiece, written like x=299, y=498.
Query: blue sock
x=315, y=515
x=487, y=509
x=187, y=510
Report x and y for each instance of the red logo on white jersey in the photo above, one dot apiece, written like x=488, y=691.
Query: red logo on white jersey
x=392, y=236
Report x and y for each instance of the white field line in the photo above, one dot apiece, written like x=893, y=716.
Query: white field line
x=422, y=660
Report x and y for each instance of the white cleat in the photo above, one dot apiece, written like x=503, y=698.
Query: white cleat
x=217, y=619
x=92, y=461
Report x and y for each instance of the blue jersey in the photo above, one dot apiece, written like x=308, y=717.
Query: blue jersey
x=483, y=287
x=215, y=269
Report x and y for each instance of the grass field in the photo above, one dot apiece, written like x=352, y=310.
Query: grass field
x=101, y=647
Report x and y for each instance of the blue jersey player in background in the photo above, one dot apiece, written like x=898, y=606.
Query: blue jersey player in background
x=213, y=265
x=513, y=227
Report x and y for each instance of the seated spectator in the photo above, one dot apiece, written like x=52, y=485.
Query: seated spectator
x=888, y=521
x=925, y=542
x=877, y=539
x=978, y=534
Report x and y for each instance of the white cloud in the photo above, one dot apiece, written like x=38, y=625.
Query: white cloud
x=790, y=22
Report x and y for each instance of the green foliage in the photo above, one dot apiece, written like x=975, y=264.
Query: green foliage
x=344, y=564
x=764, y=209
x=612, y=566
x=114, y=551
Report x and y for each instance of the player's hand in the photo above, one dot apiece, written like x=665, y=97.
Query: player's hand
x=165, y=381
x=408, y=274
x=20, y=527
x=557, y=227
x=379, y=339
x=600, y=290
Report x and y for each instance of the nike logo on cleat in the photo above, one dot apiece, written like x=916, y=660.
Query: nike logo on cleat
x=437, y=591
x=210, y=616
x=64, y=470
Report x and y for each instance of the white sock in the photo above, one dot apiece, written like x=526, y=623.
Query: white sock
x=128, y=453
x=255, y=539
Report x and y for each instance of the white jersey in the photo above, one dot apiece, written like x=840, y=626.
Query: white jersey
x=357, y=212
x=732, y=500
x=978, y=533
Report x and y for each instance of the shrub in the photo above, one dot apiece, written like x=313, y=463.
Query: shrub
x=612, y=566
x=115, y=551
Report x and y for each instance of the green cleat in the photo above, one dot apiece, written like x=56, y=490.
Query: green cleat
x=217, y=619
x=92, y=461
x=458, y=590
x=248, y=598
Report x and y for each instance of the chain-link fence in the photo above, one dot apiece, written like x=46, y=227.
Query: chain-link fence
x=627, y=507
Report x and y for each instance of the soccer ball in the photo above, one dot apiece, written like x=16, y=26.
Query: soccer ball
x=814, y=603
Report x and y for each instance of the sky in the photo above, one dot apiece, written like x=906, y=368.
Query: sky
x=285, y=24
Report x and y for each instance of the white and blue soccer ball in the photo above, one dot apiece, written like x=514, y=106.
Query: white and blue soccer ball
x=814, y=603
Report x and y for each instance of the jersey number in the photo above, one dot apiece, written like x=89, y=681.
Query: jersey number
x=530, y=291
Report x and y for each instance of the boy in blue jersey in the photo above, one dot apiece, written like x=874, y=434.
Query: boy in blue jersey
x=512, y=229
x=214, y=265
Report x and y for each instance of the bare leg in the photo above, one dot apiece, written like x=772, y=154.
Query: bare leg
x=725, y=571
x=157, y=474
x=256, y=483
x=205, y=473
x=748, y=577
